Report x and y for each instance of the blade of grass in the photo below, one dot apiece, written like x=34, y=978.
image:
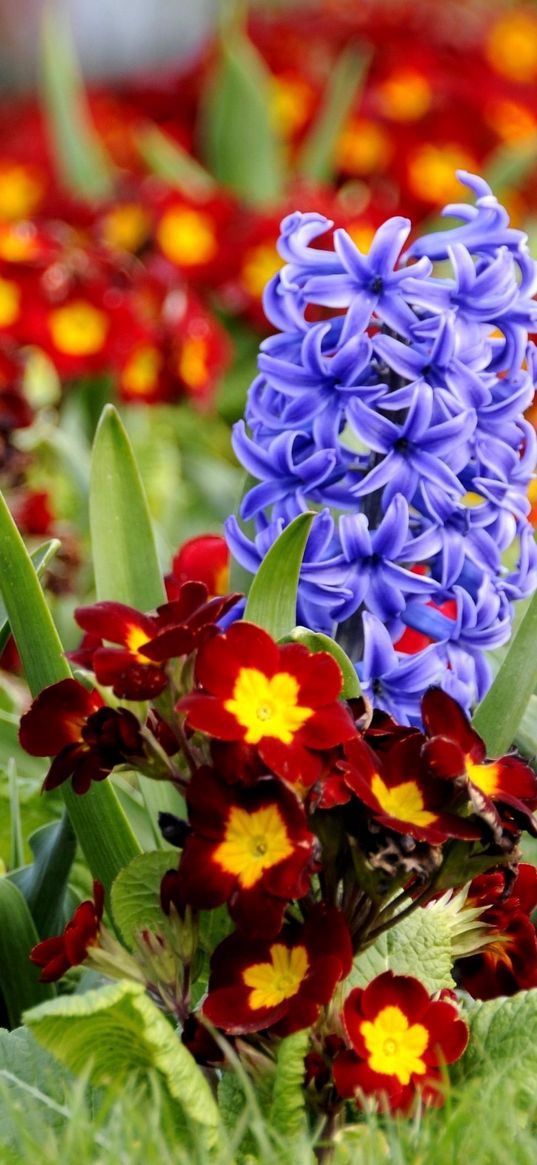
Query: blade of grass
x=500, y=712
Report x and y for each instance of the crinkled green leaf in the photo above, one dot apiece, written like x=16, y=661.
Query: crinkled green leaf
x=100, y=824
x=19, y=983
x=44, y=883
x=316, y=159
x=117, y=1033
x=136, y=894
x=499, y=714
x=503, y=1041
x=420, y=945
x=80, y=155
x=272, y=598
x=237, y=135
x=288, y=1112
x=316, y=641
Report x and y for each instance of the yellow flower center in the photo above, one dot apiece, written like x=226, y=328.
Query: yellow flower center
x=431, y=171
x=192, y=365
x=364, y=146
x=17, y=242
x=395, y=1047
x=125, y=227
x=140, y=373
x=278, y=980
x=187, y=237
x=291, y=102
x=9, y=303
x=20, y=192
x=485, y=777
x=404, y=802
x=511, y=46
x=134, y=639
x=253, y=842
x=78, y=329
x=267, y=706
x=260, y=264
x=405, y=96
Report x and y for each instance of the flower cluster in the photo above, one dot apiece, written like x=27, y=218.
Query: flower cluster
x=312, y=823
x=395, y=396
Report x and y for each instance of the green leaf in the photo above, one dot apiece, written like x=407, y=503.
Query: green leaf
x=16, y=853
x=500, y=712
x=40, y=559
x=272, y=598
x=125, y=555
x=288, y=1112
x=421, y=945
x=19, y=982
x=526, y=734
x=123, y=543
x=28, y=1072
x=44, y=883
x=118, y=1033
x=168, y=160
x=316, y=159
x=81, y=158
x=136, y=894
x=510, y=164
x=316, y=641
x=503, y=1041
x=237, y=137
x=99, y=822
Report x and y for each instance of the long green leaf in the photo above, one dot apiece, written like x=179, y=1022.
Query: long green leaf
x=99, y=822
x=19, y=983
x=80, y=155
x=272, y=599
x=123, y=543
x=44, y=882
x=40, y=559
x=238, y=139
x=124, y=552
x=166, y=158
x=500, y=712
x=317, y=155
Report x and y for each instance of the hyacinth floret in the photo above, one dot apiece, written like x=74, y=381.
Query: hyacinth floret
x=391, y=401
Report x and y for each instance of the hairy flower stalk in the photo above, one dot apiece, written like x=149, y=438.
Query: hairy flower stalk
x=391, y=400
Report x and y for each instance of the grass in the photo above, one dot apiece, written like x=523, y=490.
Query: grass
x=482, y=1123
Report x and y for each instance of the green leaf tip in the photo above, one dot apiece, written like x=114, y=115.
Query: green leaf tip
x=272, y=598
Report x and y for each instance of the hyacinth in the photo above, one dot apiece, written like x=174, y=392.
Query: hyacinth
x=391, y=401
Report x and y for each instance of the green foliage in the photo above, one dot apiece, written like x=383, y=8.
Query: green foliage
x=123, y=544
x=316, y=641
x=272, y=598
x=136, y=894
x=19, y=984
x=168, y=160
x=503, y=1040
x=420, y=945
x=288, y=1111
x=316, y=159
x=500, y=712
x=44, y=883
x=117, y=1035
x=29, y=1073
x=100, y=824
x=40, y=559
x=238, y=140
x=81, y=158
x=124, y=553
